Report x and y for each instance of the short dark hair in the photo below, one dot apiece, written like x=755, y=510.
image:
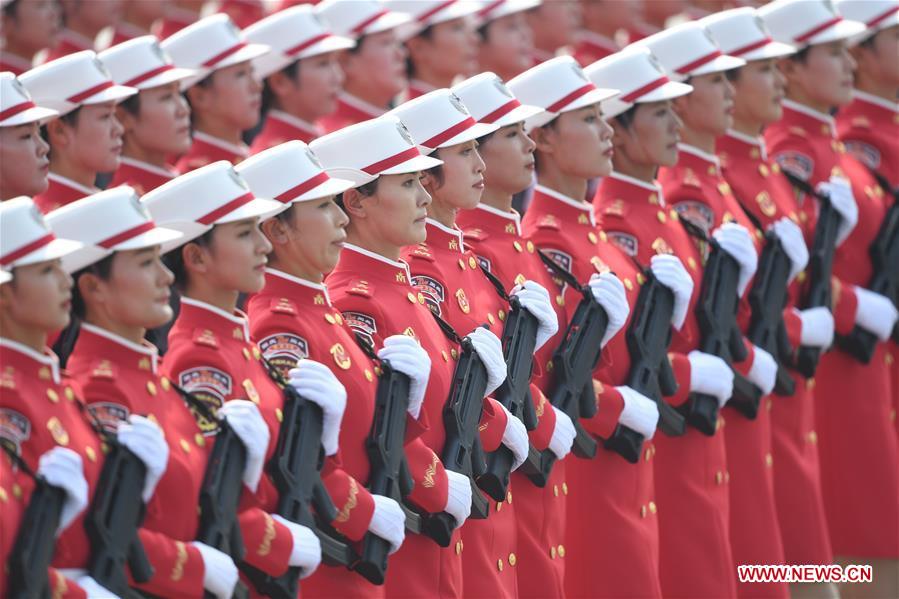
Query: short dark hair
x=70, y=119
x=102, y=270
x=626, y=118
x=131, y=105
x=368, y=190
x=425, y=33
x=801, y=55
x=174, y=260
x=292, y=72
x=10, y=10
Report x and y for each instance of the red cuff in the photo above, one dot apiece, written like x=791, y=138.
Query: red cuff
x=492, y=425
x=431, y=488
x=745, y=366
x=177, y=566
x=546, y=420
x=680, y=364
x=610, y=404
x=793, y=324
x=844, y=306
x=268, y=544
x=354, y=504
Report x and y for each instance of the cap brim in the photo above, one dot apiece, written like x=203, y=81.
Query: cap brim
x=405, y=26
x=331, y=187
x=769, y=50
x=261, y=207
x=474, y=132
x=189, y=230
x=248, y=52
x=592, y=97
x=670, y=90
x=518, y=115
x=274, y=61
x=116, y=93
x=456, y=10
x=84, y=257
x=38, y=114
x=510, y=7
x=888, y=22
x=719, y=64
x=413, y=165
x=354, y=176
x=58, y=248
x=166, y=77
x=842, y=30
x=156, y=236
x=332, y=43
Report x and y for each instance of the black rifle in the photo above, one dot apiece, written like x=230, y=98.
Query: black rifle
x=884, y=252
x=295, y=469
x=820, y=266
x=716, y=312
x=648, y=338
x=35, y=542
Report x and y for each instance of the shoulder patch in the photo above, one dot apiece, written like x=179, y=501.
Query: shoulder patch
x=866, y=153
x=363, y=324
x=211, y=386
x=432, y=290
x=15, y=429
x=284, y=350
x=422, y=252
x=283, y=305
x=474, y=234
x=697, y=212
x=799, y=164
x=627, y=242
x=205, y=337
x=108, y=414
x=548, y=221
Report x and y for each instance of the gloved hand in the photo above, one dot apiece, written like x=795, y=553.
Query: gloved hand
x=840, y=192
x=490, y=350
x=93, y=589
x=315, y=381
x=790, y=236
x=62, y=467
x=388, y=521
x=875, y=313
x=515, y=437
x=563, y=434
x=145, y=440
x=737, y=242
x=306, y=552
x=458, y=501
x=535, y=299
x=219, y=571
x=763, y=372
x=640, y=413
x=608, y=290
x=711, y=375
x=670, y=272
x=406, y=355
x=817, y=327
x=244, y=418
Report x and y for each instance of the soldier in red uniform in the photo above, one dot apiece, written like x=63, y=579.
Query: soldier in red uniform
x=28, y=26
x=373, y=290
x=603, y=24
x=156, y=120
x=137, y=20
x=40, y=410
x=86, y=139
x=555, y=26
x=82, y=21
x=465, y=297
x=860, y=501
x=302, y=76
x=224, y=96
x=507, y=42
x=178, y=15
x=23, y=152
x=375, y=67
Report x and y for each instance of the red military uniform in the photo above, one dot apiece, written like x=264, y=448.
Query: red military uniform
x=61, y=191
x=350, y=110
x=121, y=32
x=613, y=496
x=207, y=149
x=857, y=443
x=14, y=63
x=143, y=177
x=416, y=88
x=495, y=237
x=755, y=180
x=243, y=12
x=176, y=19
x=68, y=42
x=293, y=319
x=280, y=127
x=593, y=46
x=420, y=567
x=448, y=277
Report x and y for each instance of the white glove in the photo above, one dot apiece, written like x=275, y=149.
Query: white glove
x=246, y=421
x=640, y=413
x=840, y=192
x=93, y=589
x=490, y=350
x=737, y=242
x=763, y=372
x=145, y=440
x=306, y=552
x=790, y=236
x=875, y=313
x=608, y=290
x=388, y=521
x=711, y=375
x=406, y=355
x=817, y=327
x=670, y=272
x=535, y=299
x=515, y=437
x=458, y=500
x=62, y=467
x=315, y=381
x=219, y=571
x=563, y=434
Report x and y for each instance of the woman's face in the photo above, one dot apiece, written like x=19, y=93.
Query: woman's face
x=136, y=293
x=652, y=137
x=380, y=62
x=163, y=123
x=94, y=142
x=709, y=108
x=508, y=46
x=318, y=84
x=581, y=143
x=233, y=96
x=312, y=235
x=397, y=211
x=35, y=26
x=450, y=50
x=463, y=176
x=509, y=158
x=758, y=92
x=38, y=298
x=235, y=258
x=877, y=59
x=23, y=161
x=824, y=78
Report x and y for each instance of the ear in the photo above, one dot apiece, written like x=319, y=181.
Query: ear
x=416, y=45
x=198, y=96
x=620, y=134
x=787, y=67
x=280, y=84
x=429, y=182
x=195, y=258
x=276, y=231
x=125, y=117
x=89, y=286
x=354, y=204
x=60, y=133
x=545, y=138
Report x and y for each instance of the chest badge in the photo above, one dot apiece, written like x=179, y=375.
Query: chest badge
x=463, y=301
x=341, y=357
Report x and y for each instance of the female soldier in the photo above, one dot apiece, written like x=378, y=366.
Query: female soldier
x=156, y=121
x=819, y=78
x=301, y=75
x=86, y=139
x=224, y=96
x=386, y=215
x=28, y=28
x=23, y=152
x=507, y=42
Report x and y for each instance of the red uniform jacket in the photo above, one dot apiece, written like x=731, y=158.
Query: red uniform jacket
x=592, y=47
x=16, y=64
x=350, y=110
x=143, y=177
x=207, y=149
x=280, y=127
x=69, y=43
x=61, y=191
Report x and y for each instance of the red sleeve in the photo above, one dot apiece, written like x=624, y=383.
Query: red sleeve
x=844, y=306
x=492, y=425
x=793, y=325
x=680, y=364
x=610, y=404
x=744, y=366
x=546, y=420
x=177, y=567
x=431, y=488
x=268, y=544
x=354, y=504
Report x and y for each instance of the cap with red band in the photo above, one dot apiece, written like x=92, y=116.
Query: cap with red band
x=689, y=50
x=16, y=105
x=741, y=32
x=440, y=119
x=490, y=10
x=491, y=102
x=432, y=12
x=26, y=238
x=808, y=22
x=142, y=63
x=357, y=18
x=877, y=15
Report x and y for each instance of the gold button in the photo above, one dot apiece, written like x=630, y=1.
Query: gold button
x=763, y=170
x=166, y=384
x=530, y=246
x=517, y=246
x=512, y=559
x=279, y=415
x=104, y=447
x=769, y=403
x=501, y=314
x=603, y=237
x=719, y=477
x=775, y=168
x=472, y=263
x=888, y=359
x=411, y=298
x=712, y=170
x=499, y=565
x=628, y=284
x=258, y=354
x=151, y=387
x=592, y=237
x=769, y=460
x=652, y=507
x=461, y=263
x=3, y=496
x=16, y=491
x=509, y=496
x=560, y=300
x=445, y=357
x=454, y=353
x=810, y=384
x=643, y=511
x=561, y=550
x=552, y=552
x=200, y=440
x=691, y=263
x=70, y=395
x=370, y=377
x=499, y=505
x=91, y=453
x=556, y=490
x=490, y=318
x=812, y=437
x=648, y=454
x=52, y=395
x=653, y=198
x=458, y=547
x=661, y=216
x=565, y=488
x=672, y=214
x=246, y=353
x=185, y=446
x=330, y=317
x=640, y=278
x=421, y=299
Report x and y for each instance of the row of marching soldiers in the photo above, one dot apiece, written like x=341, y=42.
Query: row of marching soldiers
x=375, y=368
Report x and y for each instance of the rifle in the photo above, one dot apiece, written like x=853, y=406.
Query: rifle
x=820, y=266
x=884, y=252
x=648, y=338
x=717, y=315
x=295, y=468
x=35, y=542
